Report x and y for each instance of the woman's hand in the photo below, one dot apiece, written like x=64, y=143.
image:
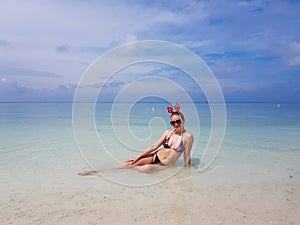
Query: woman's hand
x=133, y=160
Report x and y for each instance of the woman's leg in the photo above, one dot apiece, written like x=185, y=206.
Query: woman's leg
x=149, y=168
x=140, y=162
x=91, y=172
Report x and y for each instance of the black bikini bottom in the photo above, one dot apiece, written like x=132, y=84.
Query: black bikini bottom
x=157, y=160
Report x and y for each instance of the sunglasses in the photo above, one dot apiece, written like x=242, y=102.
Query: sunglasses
x=177, y=122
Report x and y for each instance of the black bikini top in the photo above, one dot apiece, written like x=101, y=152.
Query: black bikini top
x=166, y=143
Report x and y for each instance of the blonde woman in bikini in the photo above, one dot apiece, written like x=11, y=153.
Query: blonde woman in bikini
x=166, y=151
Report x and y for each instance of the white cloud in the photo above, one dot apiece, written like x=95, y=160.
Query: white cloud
x=227, y=68
x=197, y=44
x=254, y=4
x=14, y=92
x=64, y=37
x=291, y=54
x=295, y=61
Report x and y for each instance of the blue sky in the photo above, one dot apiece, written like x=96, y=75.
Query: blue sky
x=252, y=46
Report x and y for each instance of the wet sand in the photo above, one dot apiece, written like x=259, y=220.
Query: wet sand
x=184, y=199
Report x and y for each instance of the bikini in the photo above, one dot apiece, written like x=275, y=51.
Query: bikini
x=180, y=148
x=157, y=160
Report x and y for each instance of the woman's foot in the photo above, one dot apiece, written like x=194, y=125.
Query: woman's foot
x=86, y=173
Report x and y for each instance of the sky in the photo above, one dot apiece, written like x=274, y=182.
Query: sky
x=251, y=46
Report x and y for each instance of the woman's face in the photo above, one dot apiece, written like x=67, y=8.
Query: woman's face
x=176, y=121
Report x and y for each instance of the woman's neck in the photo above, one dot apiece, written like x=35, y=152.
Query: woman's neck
x=179, y=131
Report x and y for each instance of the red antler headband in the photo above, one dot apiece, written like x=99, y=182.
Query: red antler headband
x=170, y=108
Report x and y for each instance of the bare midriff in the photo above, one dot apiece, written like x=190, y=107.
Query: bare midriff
x=164, y=153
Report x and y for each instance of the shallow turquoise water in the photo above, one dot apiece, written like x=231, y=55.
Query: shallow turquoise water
x=38, y=147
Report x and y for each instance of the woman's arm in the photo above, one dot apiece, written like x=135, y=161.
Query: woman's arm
x=151, y=148
x=188, y=146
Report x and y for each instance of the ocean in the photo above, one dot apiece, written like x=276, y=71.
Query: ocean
x=39, y=151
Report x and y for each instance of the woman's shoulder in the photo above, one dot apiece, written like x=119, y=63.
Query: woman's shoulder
x=188, y=134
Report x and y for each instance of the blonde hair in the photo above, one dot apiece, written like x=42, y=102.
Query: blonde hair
x=178, y=114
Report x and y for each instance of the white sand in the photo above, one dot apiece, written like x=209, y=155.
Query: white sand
x=184, y=199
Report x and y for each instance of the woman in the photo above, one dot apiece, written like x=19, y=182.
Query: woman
x=174, y=143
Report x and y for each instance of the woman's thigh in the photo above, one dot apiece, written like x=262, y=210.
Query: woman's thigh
x=144, y=161
x=149, y=168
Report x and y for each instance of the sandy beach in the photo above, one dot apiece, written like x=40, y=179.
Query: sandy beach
x=186, y=198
